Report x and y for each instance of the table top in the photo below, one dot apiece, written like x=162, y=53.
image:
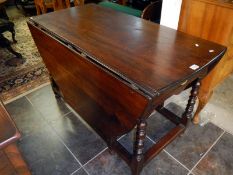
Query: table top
x=150, y=56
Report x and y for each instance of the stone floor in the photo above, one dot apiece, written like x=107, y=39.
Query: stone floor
x=219, y=109
x=54, y=141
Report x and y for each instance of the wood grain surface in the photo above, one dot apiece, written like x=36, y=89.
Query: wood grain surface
x=147, y=55
x=8, y=130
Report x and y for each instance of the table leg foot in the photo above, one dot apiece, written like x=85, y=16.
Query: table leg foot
x=203, y=99
x=196, y=119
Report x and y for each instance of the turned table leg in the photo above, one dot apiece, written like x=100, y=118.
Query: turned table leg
x=138, y=152
x=191, y=102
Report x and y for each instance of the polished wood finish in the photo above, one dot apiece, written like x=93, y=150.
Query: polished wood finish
x=211, y=20
x=100, y=90
x=115, y=71
x=11, y=161
x=8, y=130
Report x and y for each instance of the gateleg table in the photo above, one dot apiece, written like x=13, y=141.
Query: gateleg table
x=114, y=70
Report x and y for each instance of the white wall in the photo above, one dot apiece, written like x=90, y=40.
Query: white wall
x=170, y=13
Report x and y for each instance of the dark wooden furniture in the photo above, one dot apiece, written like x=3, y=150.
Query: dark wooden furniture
x=42, y=6
x=6, y=25
x=28, y=6
x=152, y=12
x=11, y=161
x=115, y=70
x=211, y=20
x=139, y=4
x=3, y=13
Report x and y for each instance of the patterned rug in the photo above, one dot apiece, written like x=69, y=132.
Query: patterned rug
x=15, y=81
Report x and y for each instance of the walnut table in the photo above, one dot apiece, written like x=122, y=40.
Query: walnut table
x=115, y=70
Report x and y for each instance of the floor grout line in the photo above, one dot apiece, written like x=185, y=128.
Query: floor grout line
x=220, y=127
x=150, y=139
x=66, y=146
x=170, y=155
x=82, y=166
x=121, y=137
x=207, y=151
x=95, y=156
x=86, y=170
x=48, y=123
x=42, y=114
x=76, y=170
x=60, y=139
x=190, y=172
x=176, y=160
x=26, y=93
x=36, y=110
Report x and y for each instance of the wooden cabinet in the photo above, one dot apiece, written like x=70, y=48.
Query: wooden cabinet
x=211, y=20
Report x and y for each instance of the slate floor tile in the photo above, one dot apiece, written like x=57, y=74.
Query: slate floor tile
x=219, y=160
x=163, y=164
x=45, y=102
x=19, y=108
x=128, y=140
x=82, y=141
x=27, y=119
x=46, y=155
x=158, y=125
x=80, y=172
x=108, y=164
x=190, y=147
